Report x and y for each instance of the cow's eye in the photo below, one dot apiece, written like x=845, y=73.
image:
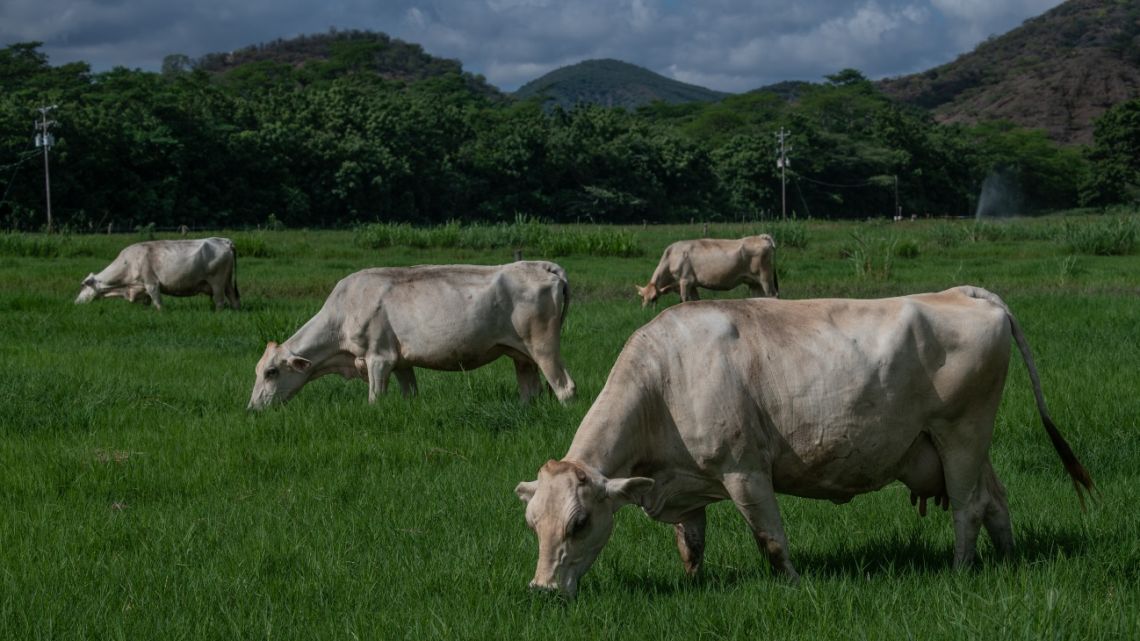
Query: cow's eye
x=271, y=372
x=578, y=525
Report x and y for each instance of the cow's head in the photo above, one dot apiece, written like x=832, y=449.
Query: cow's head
x=89, y=291
x=648, y=294
x=571, y=510
x=279, y=374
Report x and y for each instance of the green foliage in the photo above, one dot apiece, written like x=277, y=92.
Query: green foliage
x=1107, y=236
x=872, y=256
x=523, y=233
x=790, y=233
x=257, y=244
x=1114, y=175
x=332, y=130
x=40, y=246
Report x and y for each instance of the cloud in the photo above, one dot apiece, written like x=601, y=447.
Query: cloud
x=730, y=45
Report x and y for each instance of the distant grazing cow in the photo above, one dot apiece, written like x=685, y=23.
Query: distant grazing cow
x=445, y=317
x=716, y=264
x=821, y=398
x=145, y=271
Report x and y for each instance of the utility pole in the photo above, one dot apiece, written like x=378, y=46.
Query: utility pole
x=782, y=164
x=45, y=140
x=898, y=210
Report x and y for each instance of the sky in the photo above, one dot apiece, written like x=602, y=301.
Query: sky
x=727, y=45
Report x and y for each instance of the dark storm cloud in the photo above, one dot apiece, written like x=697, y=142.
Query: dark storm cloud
x=731, y=45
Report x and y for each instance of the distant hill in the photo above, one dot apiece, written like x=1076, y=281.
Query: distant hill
x=612, y=83
x=1056, y=72
x=346, y=52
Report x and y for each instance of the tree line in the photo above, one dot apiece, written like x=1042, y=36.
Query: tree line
x=328, y=144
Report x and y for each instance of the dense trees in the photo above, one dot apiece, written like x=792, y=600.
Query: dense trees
x=332, y=142
x=1115, y=157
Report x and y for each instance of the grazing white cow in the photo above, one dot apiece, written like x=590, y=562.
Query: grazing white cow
x=716, y=264
x=145, y=271
x=815, y=398
x=445, y=317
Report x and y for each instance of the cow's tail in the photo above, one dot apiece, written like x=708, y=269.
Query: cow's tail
x=1077, y=472
x=233, y=274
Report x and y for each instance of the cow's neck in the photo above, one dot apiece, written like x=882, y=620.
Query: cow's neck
x=612, y=436
x=319, y=341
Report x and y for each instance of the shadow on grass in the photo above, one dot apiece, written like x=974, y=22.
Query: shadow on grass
x=892, y=557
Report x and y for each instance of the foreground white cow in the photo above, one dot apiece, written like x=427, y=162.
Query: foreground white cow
x=173, y=267
x=716, y=264
x=816, y=398
x=445, y=317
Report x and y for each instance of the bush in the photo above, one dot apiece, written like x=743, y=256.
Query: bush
x=872, y=258
x=789, y=233
x=1110, y=236
x=253, y=245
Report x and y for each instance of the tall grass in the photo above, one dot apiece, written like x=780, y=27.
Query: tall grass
x=524, y=233
x=1105, y=236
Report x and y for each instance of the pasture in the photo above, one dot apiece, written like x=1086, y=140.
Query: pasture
x=141, y=500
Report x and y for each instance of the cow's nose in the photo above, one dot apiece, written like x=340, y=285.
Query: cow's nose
x=543, y=587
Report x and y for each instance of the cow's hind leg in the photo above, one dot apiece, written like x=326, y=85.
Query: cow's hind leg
x=690, y=535
x=688, y=291
x=530, y=385
x=996, y=514
x=233, y=296
x=407, y=379
x=977, y=498
x=152, y=290
x=755, y=497
x=547, y=355
x=218, y=294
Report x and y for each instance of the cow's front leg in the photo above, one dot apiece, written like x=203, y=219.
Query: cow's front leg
x=379, y=368
x=407, y=379
x=690, y=535
x=755, y=497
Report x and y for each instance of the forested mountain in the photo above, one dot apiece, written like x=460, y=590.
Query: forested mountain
x=309, y=58
x=612, y=83
x=1057, y=72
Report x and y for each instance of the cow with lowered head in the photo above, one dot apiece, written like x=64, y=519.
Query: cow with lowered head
x=145, y=271
x=714, y=263
x=826, y=399
x=379, y=322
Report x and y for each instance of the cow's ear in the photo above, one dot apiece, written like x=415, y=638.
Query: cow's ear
x=525, y=490
x=299, y=363
x=630, y=490
x=640, y=290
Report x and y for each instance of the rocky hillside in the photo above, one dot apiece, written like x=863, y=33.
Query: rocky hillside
x=612, y=83
x=1056, y=72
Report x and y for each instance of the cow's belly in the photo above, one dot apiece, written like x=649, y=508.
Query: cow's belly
x=451, y=359
x=843, y=467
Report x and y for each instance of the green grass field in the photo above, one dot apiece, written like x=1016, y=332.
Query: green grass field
x=141, y=500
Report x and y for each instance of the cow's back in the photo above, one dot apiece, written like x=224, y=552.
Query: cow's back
x=183, y=266
x=445, y=316
x=808, y=383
